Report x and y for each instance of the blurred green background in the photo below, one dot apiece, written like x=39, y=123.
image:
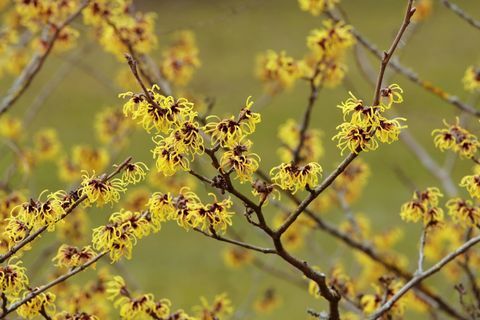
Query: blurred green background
x=183, y=266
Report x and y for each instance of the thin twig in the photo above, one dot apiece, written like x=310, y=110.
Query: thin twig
x=235, y=242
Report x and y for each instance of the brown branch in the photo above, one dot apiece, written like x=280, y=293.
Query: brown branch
x=31, y=70
x=388, y=54
x=236, y=242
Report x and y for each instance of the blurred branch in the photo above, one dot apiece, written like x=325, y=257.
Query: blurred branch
x=461, y=13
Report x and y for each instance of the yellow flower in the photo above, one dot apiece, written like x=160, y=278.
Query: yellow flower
x=248, y=118
x=187, y=138
x=235, y=257
x=388, y=130
x=463, y=211
x=133, y=173
x=289, y=176
x=180, y=60
x=225, y=131
x=46, y=144
x=121, y=233
x=267, y=302
x=423, y=10
x=99, y=191
x=13, y=279
x=161, y=208
x=215, y=216
x=112, y=126
x=332, y=40
x=220, y=308
x=316, y=7
x=10, y=127
x=43, y=302
x=89, y=158
x=424, y=205
x=457, y=139
x=162, y=115
x=169, y=159
x=137, y=30
x=471, y=79
x=237, y=158
x=393, y=95
x=278, y=71
x=70, y=257
x=472, y=183
x=355, y=137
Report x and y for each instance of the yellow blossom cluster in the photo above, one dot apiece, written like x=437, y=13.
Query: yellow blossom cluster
x=180, y=59
x=290, y=176
x=189, y=212
x=367, y=126
x=457, y=139
x=424, y=206
x=145, y=306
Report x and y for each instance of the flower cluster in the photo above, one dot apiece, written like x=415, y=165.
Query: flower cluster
x=119, y=28
x=424, y=205
x=383, y=292
x=278, y=71
x=327, y=53
x=472, y=184
x=220, y=308
x=457, y=139
x=100, y=190
x=367, y=125
x=36, y=214
x=13, y=279
x=463, y=211
x=180, y=59
x=237, y=257
x=70, y=256
x=43, y=303
x=111, y=127
x=290, y=176
x=121, y=233
x=145, y=306
x=189, y=212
